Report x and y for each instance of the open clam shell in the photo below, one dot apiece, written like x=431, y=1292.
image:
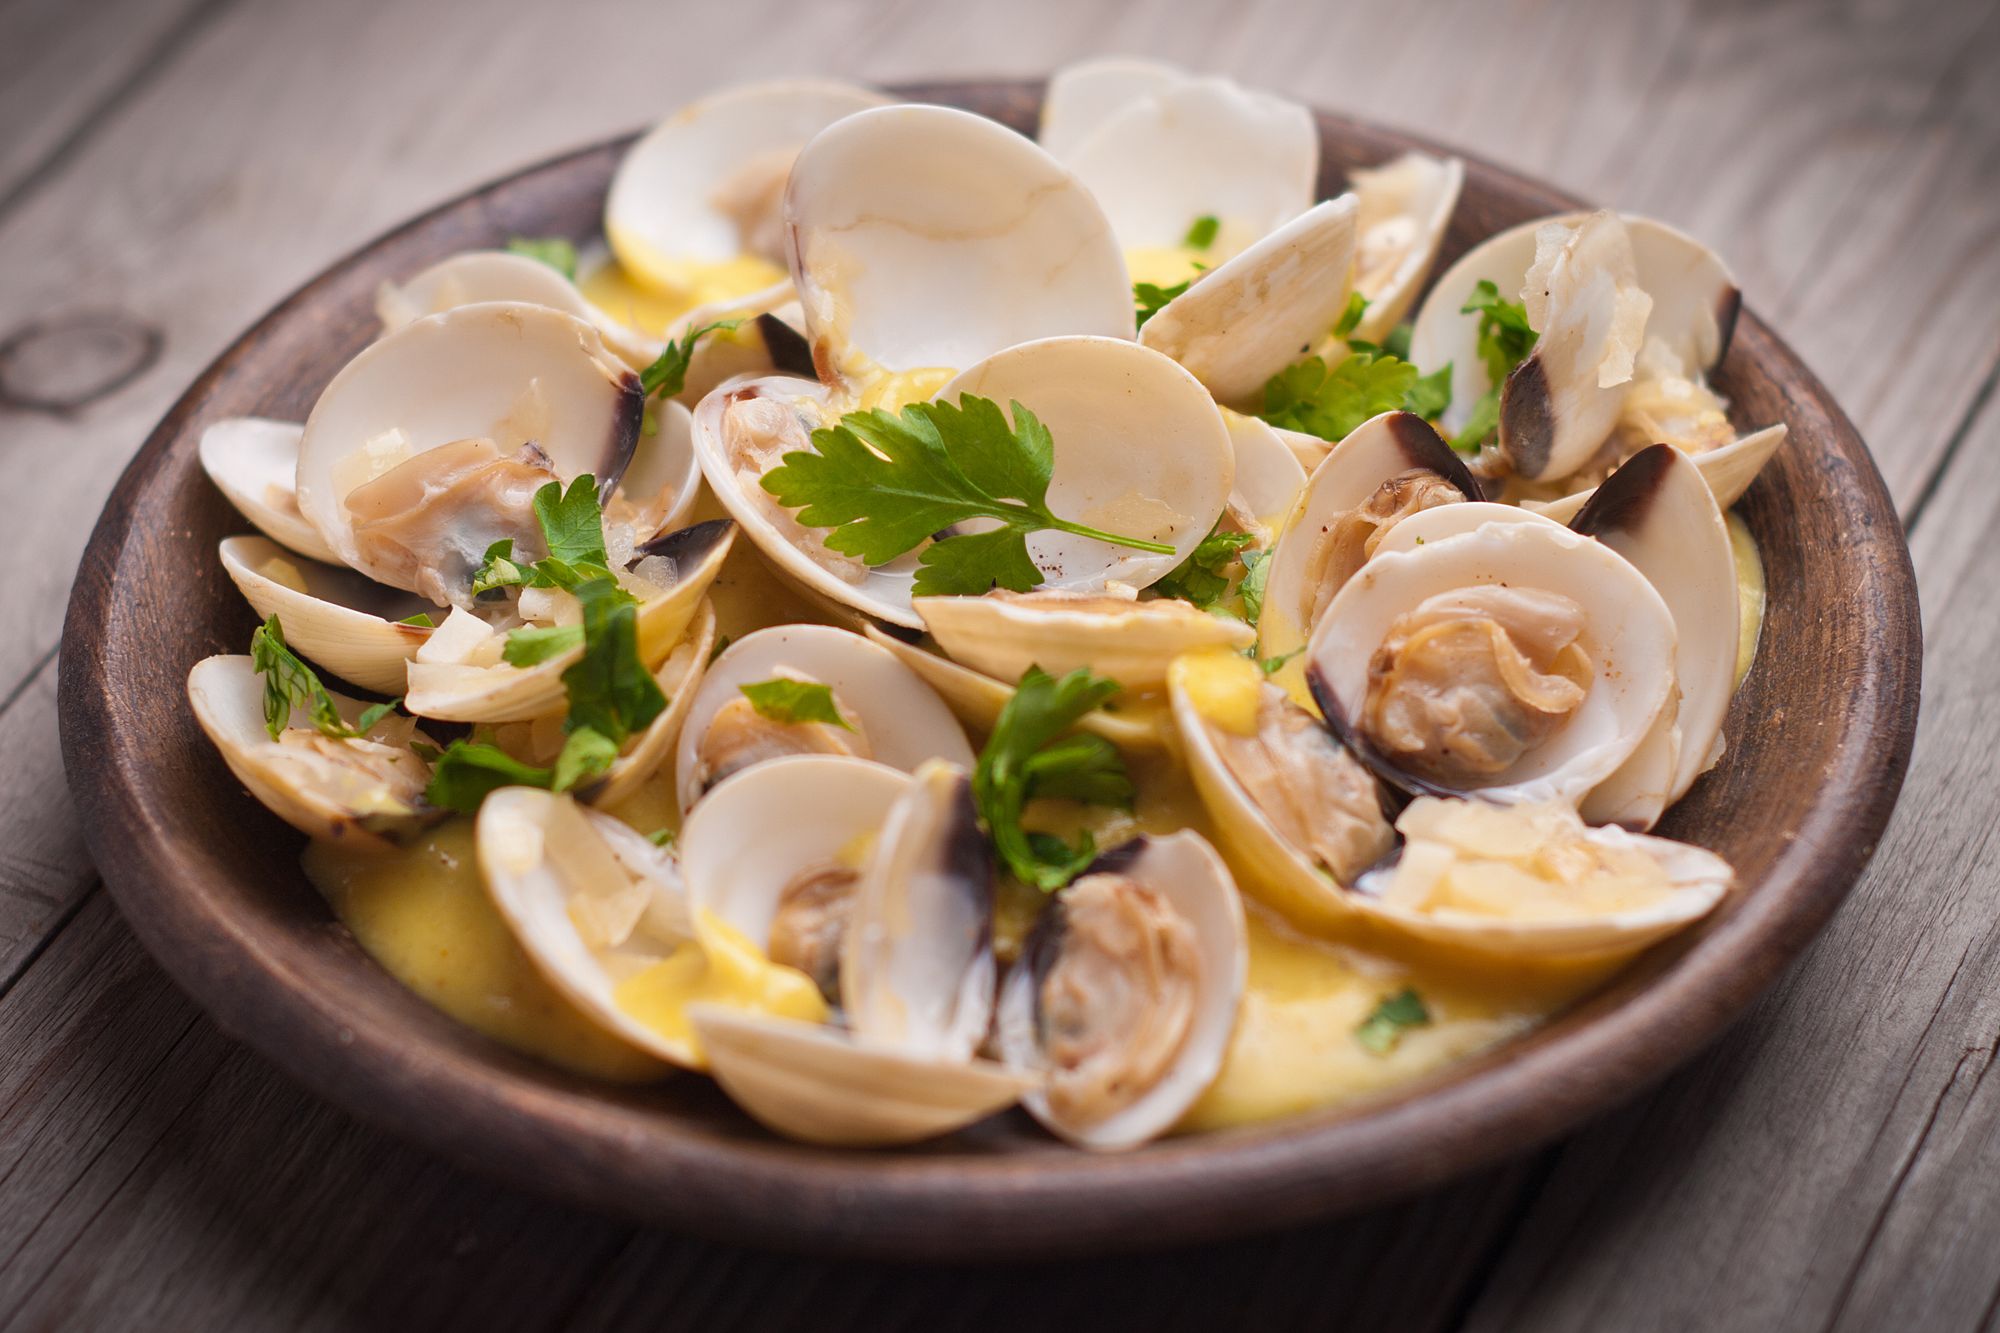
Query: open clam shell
x=703, y=186
x=1535, y=882
x=927, y=239
x=255, y=462
x=1394, y=454
x=1269, y=476
x=1247, y=318
x=334, y=617
x=1656, y=511
x=505, y=372
x=476, y=277
x=893, y=717
x=1405, y=207
x=1084, y=95
x=591, y=903
x=453, y=682
x=977, y=699
x=1133, y=642
x=1200, y=147
x=368, y=791
x=1191, y=920
x=1622, y=648
x=1728, y=472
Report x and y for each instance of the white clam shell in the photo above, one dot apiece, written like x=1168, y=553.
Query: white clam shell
x=905, y=723
x=255, y=462
x=1629, y=635
x=662, y=201
x=299, y=787
x=460, y=692
x=1378, y=449
x=1269, y=476
x=1131, y=642
x=1658, y=513
x=819, y=1085
x=1412, y=198
x=533, y=894
x=504, y=371
x=1248, y=318
x=342, y=621
x=1184, y=870
x=1084, y=95
x=476, y=277
x=977, y=699
x=1202, y=147
x=927, y=237
x=1728, y=472
x=664, y=477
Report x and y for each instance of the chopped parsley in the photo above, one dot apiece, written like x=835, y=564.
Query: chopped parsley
x=1357, y=306
x=1504, y=343
x=886, y=483
x=1028, y=756
x=1391, y=1017
x=1201, y=233
x=467, y=772
x=1203, y=577
x=289, y=683
x=422, y=620
x=667, y=376
x=1151, y=298
x=789, y=701
x=1256, y=573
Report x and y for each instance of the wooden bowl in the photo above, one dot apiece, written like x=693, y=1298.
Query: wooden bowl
x=1819, y=737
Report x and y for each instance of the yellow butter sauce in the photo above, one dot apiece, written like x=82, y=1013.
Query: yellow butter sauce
x=648, y=291
x=422, y=913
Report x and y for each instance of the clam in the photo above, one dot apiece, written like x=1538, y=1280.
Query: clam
x=1535, y=882
x=1126, y=993
x=1269, y=476
x=1082, y=96
x=255, y=462
x=1244, y=320
x=1405, y=205
x=1197, y=148
x=429, y=446
x=355, y=628
x=475, y=277
x=1002, y=634
x=368, y=789
x=1519, y=661
x=926, y=239
x=1140, y=450
x=1298, y=816
x=977, y=699
x=595, y=906
x=1656, y=511
x=880, y=888
x=1388, y=468
x=459, y=674
x=888, y=714
x=694, y=213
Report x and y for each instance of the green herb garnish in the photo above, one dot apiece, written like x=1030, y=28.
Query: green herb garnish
x=572, y=523
x=1505, y=340
x=1357, y=306
x=885, y=483
x=1028, y=756
x=289, y=683
x=1151, y=298
x=538, y=643
x=667, y=376
x=1391, y=1017
x=1256, y=573
x=791, y=701
x=467, y=772
x=555, y=251
x=422, y=620
x=610, y=690
x=1201, y=233
x=1202, y=578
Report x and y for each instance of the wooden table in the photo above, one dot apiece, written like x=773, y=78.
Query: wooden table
x=169, y=168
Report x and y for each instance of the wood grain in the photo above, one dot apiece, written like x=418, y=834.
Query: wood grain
x=218, y=182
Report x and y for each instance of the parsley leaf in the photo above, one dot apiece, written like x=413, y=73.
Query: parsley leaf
x=1397, y=344
x=499, y=570
x=1151, y=298
x=468, y=771
x=610, y=690
x=1505, y=339
x=1331, y=402
x=662, y=837
x=1271, y=666
x=784, y=700
x=1202, y=231
x=374, y=713
x=1256, y=573
x=289, y=683
x=572, y=522
x=667, y=376
x=422, y=620
x=1028, y=755
x=538, y=643
x=1201, y=578
x=1430, y=395
x=884, y=483
x=1394, y=1014
x=586, y=754
x=555, y=251
x=1357, y=306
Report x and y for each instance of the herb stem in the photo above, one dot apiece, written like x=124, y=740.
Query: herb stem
x=1135, y=543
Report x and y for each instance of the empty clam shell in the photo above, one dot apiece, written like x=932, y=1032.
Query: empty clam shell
x=331, y=616
x=255, y=462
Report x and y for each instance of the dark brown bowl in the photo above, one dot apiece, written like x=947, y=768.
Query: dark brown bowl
x=1820, y=735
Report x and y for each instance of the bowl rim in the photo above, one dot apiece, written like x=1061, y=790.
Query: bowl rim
x=511, y=1118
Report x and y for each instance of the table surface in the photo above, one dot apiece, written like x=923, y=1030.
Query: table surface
x=172, y=167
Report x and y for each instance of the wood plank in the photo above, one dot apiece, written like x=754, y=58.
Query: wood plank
x=65, y=67
x=1826, y=1165
x=44, y=870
